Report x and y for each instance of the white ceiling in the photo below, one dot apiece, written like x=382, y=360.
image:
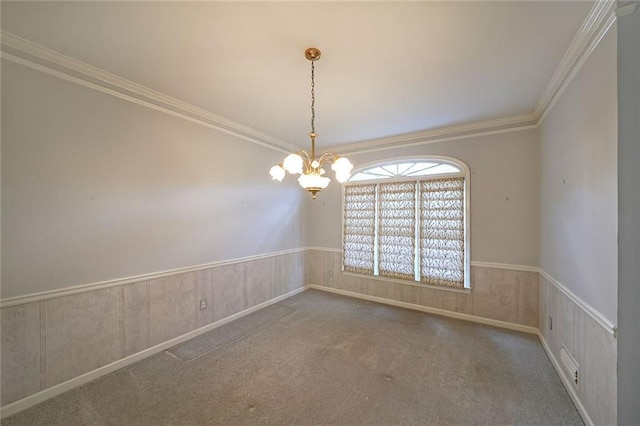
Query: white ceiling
x=387, y=68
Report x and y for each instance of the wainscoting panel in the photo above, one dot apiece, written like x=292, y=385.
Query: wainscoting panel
x=517, y=295
x=80, y=333
x=229, y=290
x=173, y=306
x=259, y=278
x=505, y=295
x=497, y=293
x=85, y=332
x=593, y=346
x=135, y=318
x=289, y=272
x=20, y=351
x=56, y=340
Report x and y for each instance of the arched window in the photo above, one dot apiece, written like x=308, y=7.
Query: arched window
x=406, y=219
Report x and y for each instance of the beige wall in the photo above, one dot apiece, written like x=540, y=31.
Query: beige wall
x=504, y=195
x=578, y=235
x=578, y=238
x=96, y=188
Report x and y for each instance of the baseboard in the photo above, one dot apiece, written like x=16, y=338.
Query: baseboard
x=565, y=381
x=588, y=309
x=45, y=394
x=429, y=310
x=48, y=393
x=502, y=324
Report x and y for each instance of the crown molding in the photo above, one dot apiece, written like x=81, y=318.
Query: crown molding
x=595, y=26
x=600, y=18
x=28, y=53
x=461, y=131
x=593, y=29
x=626, y=10
x=33, y=55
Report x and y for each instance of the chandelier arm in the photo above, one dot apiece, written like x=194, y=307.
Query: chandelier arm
x=306, y=161
x=304, y=155
x=327, y=157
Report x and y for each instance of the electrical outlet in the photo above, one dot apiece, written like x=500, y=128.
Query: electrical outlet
x=550, y=323
x=203, y=304
x=330, y=274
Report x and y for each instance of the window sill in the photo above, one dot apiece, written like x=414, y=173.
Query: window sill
x=411, y=283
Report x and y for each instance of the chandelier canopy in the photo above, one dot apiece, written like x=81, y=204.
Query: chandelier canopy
x=306, y=165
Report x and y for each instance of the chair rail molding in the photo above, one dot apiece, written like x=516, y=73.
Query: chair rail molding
x=83, y=288
x=610, y=327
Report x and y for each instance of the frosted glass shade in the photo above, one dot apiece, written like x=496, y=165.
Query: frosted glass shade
x=277, y=173
x=342, y=166
x=342, y=177
x=313, y=182
x=293, y=164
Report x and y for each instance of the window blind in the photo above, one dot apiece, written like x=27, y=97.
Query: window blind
x=396, y=229
x=442, y=232
x=359, y=228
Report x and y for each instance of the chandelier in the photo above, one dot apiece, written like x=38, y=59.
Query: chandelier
x=306, y=165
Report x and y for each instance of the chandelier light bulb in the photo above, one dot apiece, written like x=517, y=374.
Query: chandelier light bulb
x=342, y=177
x=277, y=173
x=342, y=165
x=293, y=164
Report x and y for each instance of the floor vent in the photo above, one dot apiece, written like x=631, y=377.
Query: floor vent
x=570, y=365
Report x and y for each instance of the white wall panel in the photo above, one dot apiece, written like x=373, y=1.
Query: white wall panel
x=578, y=244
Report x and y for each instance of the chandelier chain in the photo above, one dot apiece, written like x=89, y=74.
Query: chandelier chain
x=313, y=98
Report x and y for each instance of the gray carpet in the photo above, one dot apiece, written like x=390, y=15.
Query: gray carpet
x=318, y=358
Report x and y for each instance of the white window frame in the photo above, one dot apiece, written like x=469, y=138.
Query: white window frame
x=464, y=172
